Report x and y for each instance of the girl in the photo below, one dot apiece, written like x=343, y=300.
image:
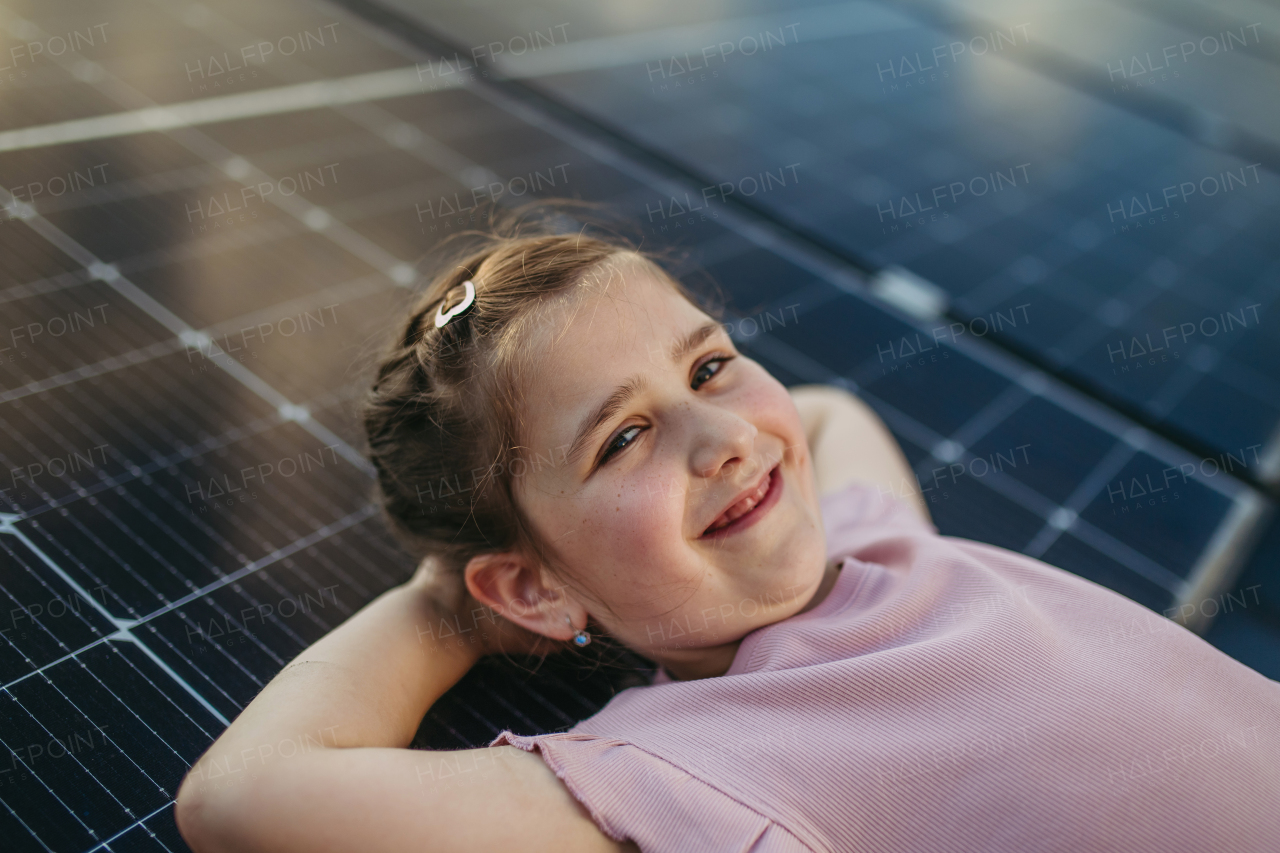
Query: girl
x=835, y=675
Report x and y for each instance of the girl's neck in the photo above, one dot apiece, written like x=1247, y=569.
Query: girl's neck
x=716, y=660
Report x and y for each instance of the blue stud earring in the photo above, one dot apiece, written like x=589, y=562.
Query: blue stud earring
x=580, y=638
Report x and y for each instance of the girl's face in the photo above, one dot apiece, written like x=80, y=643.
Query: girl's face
x=669, y=473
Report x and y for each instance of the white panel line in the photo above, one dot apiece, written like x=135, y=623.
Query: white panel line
x=377, y=85
x=311, y=539
x=131, y=826
x=123, y=626
x=190, y=335
x=820, y=23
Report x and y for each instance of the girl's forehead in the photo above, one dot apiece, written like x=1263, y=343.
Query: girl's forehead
x=610, y=312
x=599, y=340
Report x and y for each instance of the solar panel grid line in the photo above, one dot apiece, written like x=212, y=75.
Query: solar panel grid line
x=757, y=230
x=350, y=290
x=123, y=627
x=1007, y=486
x=107, y=738
x=25, y=826
x=87, y=772
x=273, y=231
x=51, y=793
x=35, y=718
x=216, y=685
x=390, y=83
x=99, y=368
x=248, y=671
x=449, y=161
x=439, y=722
x=106, y=844
x=554, y=679
x=238, y=167
x=501, y=701
x=60, y=638
x=158, y=464
x=313, y=216
x=126, y=189
x=300, y=544
x=160, y=739
x=378, y=579
x=51, y=284
x=126, y=626
x=278, y=160
x=1218, y=565
x=1270, y=465
x=9, y=526
x=191, y=336
x=145, y=546
x=36, y=316
x=382, y=123
x=1063, y=519
x=1124, y=554
x=188, y=415
x=1089, y=409
x=1089, y=488
x=993, y=413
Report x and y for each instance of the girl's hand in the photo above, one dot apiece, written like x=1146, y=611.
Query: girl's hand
x=848, y=441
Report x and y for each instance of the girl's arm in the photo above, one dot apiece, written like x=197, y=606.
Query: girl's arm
x=317, y=761
x=849, y=442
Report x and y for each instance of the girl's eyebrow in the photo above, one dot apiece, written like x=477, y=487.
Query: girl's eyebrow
x=610, y=407
x=629, y=388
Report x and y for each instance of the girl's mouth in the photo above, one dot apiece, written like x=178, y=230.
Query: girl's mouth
x=748, y=510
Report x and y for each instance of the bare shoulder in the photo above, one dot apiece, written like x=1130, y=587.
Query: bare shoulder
x=376, y=799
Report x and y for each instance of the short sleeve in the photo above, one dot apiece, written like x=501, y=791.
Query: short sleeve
x=633, y=795
x=861, y=514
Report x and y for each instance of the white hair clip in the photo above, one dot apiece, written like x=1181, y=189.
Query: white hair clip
x=443, y=317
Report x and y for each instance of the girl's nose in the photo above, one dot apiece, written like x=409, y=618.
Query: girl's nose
x=721, y=438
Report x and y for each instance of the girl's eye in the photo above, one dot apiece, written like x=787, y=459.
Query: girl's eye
x=703, y=374
x=617, y=444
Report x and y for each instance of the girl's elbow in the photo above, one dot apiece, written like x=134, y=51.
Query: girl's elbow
x=204, y=816
x=190, y=813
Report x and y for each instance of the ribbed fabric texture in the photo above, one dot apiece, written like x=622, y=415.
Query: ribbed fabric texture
x=945, y=696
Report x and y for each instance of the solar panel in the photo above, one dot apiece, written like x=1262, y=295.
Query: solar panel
x=183, y=507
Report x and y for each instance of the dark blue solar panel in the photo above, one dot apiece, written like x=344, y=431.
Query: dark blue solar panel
x=1052, y=463
x=1160, y=508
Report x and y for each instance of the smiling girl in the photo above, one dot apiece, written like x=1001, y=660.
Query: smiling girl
x=834, y=674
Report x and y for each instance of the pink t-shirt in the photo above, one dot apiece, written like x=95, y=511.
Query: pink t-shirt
x=945, y=696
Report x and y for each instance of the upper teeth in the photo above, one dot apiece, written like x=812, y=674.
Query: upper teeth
x=743, y=506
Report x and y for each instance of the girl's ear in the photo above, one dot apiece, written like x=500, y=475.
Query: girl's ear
x=512, y=586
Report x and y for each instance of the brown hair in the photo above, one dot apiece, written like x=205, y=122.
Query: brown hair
x=443, y=418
